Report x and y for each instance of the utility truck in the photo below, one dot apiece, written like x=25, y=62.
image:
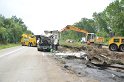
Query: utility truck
x=29, y=40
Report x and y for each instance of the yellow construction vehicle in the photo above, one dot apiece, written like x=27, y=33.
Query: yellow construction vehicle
x=90, y=37
x=25, y=39
x=32, y=41
x=28, y=40
x=116, y=43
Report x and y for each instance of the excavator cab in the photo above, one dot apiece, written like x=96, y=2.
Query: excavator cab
x=93, y=38
x=90, y=37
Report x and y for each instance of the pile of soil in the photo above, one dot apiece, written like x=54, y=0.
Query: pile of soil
x=103, y=54
x=100, y=56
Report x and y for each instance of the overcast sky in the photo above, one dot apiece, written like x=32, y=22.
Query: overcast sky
x=40, y=15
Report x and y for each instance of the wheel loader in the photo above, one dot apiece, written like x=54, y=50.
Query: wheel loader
x=116, y=44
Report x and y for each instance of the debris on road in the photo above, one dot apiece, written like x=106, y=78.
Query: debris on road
x=101, y=64
x=74, y=54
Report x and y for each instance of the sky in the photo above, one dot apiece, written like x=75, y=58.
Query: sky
x=40, y=15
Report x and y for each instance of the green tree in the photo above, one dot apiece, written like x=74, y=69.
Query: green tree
x=115, y=17
x=11, y=29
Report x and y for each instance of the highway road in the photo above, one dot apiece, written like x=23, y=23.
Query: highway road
x=26, y=64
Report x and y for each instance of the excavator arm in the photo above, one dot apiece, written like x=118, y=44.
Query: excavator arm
x=70, y=27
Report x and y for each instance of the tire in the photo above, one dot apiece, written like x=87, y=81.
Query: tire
x=31, y=44
x=121, y=47
x=113, y=47
x=38, y=49
x=56, y=47
x=48, y=50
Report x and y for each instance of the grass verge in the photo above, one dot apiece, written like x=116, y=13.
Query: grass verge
x=73, y=44
x=3, y=46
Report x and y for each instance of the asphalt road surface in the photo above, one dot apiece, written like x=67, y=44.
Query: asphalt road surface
x=26, y=64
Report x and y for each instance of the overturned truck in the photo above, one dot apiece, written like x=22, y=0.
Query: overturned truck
x=48, y=42
x=44, y=43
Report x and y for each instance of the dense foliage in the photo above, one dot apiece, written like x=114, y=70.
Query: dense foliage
x=11, y=29
x=111, y=20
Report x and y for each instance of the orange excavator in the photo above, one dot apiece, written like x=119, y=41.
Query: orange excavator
x=89, y=37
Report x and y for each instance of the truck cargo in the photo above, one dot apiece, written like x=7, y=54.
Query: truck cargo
x=44, y=44
x=49, y=41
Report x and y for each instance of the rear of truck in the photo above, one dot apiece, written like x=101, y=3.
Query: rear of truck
x=25, y=39
x=32, y=41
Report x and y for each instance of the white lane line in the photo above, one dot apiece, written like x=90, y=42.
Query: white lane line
x=43, y=54
x=11, y=52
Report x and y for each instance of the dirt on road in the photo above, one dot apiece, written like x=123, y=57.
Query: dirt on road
x=104, y=65
x=101, y=54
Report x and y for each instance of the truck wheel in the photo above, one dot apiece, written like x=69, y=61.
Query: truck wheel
x=56, y=47
x=48, y=50
x=38, y=49
x=31, y=44
x=121, y=48
x=113, y=47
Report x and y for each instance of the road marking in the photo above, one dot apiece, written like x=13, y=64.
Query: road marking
x=11, y=52
x=21, y=81
x=43, y=54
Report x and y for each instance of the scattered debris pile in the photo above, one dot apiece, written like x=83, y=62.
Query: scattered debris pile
x=101, y=64
x=106, y=56
x=97, y=55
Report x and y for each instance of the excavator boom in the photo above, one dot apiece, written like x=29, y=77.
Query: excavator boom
x=70, y=27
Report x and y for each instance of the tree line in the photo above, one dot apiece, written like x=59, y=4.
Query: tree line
x=111, y=20
x=11, y=29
